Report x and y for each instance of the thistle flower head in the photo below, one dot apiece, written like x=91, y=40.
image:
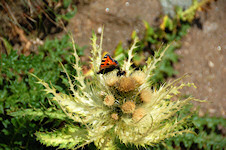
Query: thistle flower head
x=111, y=78
x=126, y=84
x=108, y=106
x=109, y=100
x=128, y=107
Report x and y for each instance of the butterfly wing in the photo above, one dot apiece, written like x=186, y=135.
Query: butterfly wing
x=107, y=61
x=108, y=64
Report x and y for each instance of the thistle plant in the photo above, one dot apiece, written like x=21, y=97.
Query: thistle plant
x=107, y=107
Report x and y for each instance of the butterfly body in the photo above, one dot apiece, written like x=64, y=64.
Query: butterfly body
x=108, y=64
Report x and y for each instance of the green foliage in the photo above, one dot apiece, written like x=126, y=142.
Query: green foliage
x=60, y=9
x=209, y=136
x=19, y=91
x=68, y=15
x=165, y=68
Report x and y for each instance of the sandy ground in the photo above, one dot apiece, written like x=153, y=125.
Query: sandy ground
x=119, y=18
x=203, y=55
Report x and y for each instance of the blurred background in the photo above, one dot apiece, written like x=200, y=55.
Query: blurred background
x=33, y=39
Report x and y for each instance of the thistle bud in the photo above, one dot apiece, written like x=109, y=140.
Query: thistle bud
x=111, y=79
x=146, y=95
x=109, y=100
x=126, y=84
x=139, y=77
x=128, y=107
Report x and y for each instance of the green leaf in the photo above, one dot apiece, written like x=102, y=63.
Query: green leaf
x=39, y=113
x=68, y=15
x=66, y=3
x=67, y=138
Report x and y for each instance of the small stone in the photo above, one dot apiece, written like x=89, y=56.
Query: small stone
x=211, y=64
x=212, y=111
x=127, y=3
x=210, y=90
x=219, y=48
x=107, y=9
x=99, y=30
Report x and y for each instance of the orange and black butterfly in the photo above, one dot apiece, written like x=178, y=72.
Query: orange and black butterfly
x=108, y=64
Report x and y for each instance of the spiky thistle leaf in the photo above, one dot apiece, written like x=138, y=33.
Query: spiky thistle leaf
x=67, y=138
x=39, y=113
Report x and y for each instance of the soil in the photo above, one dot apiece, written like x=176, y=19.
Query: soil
x=119, y=18
x=202, y=53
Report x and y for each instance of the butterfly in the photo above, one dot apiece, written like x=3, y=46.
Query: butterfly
x=108, y=64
